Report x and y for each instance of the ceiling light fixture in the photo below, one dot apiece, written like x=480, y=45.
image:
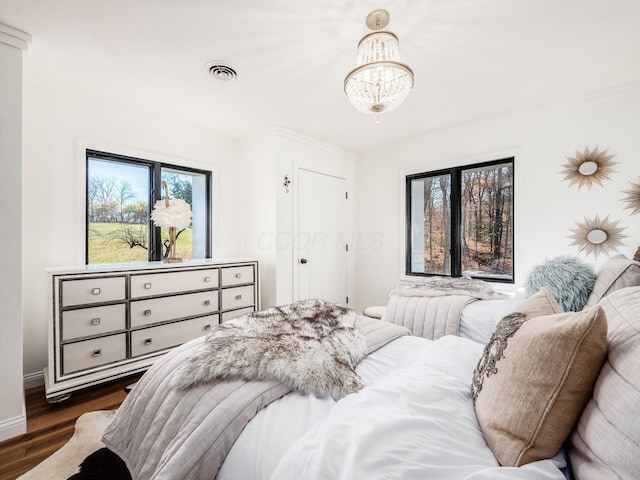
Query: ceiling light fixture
x=380, y=82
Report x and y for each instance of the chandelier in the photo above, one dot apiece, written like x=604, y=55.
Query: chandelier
x=380, y=82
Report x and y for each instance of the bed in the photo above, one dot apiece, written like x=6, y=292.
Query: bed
x=418, y=416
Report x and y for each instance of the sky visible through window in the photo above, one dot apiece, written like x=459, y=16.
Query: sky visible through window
x=137, y=177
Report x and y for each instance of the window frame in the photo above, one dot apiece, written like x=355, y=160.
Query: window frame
x=455, y=233
x=155, y=193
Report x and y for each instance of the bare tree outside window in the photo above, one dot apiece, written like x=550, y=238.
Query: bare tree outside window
x=487, y=221
x=119, y=193
x=460, y=222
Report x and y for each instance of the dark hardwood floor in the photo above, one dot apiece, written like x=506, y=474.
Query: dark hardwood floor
x=50, y=426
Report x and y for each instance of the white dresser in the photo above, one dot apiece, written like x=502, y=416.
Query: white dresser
x=110, y=321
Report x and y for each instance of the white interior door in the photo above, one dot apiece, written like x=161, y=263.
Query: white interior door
x=321, y=238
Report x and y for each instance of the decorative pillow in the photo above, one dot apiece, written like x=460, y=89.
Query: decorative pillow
x=567, y=278
x=537, y=305
x=616, y=273
x=537, y=382
x=605, y=442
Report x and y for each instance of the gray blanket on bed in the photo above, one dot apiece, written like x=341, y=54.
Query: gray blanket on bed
x=167, y=434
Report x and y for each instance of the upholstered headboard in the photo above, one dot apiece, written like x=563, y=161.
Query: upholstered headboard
x=617, y=272
x=604, y=443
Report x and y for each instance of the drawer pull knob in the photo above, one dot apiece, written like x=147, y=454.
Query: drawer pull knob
x=96, y=291
x=147, y=285
x=147, y=313
x=207, y=279
x=207, y=328
x=239, y=297
x=239, y=275
x=207, y=302
x=95, y=321
x=148, y=341
x=97, y=353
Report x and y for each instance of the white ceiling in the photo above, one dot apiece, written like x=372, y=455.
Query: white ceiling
x=472, y=59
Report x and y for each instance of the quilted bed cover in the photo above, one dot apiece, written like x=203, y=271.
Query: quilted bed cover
x=413, y=420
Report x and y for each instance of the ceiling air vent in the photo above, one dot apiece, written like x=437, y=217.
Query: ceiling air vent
x=221, y=72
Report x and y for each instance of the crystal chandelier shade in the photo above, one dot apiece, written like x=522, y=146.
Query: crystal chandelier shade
x=380, y=82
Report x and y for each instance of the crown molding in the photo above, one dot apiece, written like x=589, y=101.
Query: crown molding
x=14, y=37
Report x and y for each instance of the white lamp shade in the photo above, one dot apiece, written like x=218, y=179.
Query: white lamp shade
x=177, y=214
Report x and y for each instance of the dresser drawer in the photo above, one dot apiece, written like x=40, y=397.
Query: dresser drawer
x=93, y=353
x=85, y=322
x=236, y=313
x=154, y=310
x=172, y=282
x=149, y=340
x=237, y=275
x=92, y=290
x=237, y=297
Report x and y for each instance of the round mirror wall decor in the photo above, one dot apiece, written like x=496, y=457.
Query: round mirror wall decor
x=632, y=198
x=589, y=167
x=597, y=236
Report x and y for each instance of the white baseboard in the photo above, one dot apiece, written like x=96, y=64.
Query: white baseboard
x=12, y=427
x=32, y=380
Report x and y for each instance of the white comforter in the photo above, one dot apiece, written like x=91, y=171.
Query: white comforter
x=414, y=420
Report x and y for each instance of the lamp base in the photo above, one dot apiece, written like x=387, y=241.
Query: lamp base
x=172, y=260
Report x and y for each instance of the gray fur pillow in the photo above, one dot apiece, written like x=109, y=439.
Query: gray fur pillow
x=569, y=280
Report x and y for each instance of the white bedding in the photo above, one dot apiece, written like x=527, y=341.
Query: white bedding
x=417, y=423
x=478, y=319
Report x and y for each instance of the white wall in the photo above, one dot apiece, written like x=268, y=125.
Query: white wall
x=546, y=207
x=269, y=209
x=56, y=131
x=12, y=412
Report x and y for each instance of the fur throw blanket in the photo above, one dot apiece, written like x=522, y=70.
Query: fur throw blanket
x=312, y=346
x=441, y=286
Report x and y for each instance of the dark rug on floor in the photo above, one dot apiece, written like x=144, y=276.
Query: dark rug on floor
x=84, y=456
x=102, y=464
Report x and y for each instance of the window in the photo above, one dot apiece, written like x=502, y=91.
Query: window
x=460, y=222
x=120, y=191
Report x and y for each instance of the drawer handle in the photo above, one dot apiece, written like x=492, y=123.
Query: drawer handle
x=207, y=302
x=147, y=286
x=148, y=341
x=95, y=321
x=207, y=328
x=207, y=279
x=96, y=291
x=239, y=297
x=147, y=313
x=239, y=275
x=97, y=353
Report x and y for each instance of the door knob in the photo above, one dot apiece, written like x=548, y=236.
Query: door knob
x=303, y=260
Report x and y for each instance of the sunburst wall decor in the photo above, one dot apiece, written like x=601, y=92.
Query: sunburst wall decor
x=633, y=197
x=596, y=236
x=589, y=167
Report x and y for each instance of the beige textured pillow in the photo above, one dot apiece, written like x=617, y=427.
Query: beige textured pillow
x=538, y=381
x=538, y=304
x=616, y=273
x=606, y=442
